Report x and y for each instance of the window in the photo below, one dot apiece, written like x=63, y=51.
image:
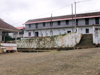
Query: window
x=87, y=30
x=76, y=21
x=68, y=31
x=51, y=23
x=87, y=21
x=97, y=20
x=43, y=24
x=29, y=25
x=29, y=34
x=67, y=22
x=59, y=22
x=36, y=25
x=22, y=31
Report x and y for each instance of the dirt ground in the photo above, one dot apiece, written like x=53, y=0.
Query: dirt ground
x=72, y=62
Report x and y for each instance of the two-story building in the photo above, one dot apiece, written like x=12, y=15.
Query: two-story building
x=18, y=34
x=62, y=24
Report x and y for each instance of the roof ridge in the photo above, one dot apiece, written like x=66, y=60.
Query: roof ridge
x=66, y=15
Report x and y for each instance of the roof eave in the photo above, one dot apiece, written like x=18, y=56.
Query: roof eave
x=61, y=19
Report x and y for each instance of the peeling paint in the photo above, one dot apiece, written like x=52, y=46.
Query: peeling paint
x=68, y=40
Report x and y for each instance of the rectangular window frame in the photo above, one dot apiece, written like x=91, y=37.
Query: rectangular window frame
x=29, y=25
x=68, y=31
x=67, y=22
x=76, y=21
x=29, y=33
x=43, y=24
x=51, y=23
x=36, y=25
x=59, y=22
x=87, y=30
x=97, y=20
x=87, y=21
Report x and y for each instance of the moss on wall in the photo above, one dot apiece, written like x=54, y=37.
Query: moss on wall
x=68, y=40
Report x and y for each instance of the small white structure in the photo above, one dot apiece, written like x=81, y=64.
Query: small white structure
x=9, y=47
x=96, y=35
x=7, y=28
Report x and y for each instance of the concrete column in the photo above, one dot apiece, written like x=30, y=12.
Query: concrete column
x=4, y=37
x=0, y=35
x=93, y=29
x=77, y=28
x=15, y=37
x=94, y=35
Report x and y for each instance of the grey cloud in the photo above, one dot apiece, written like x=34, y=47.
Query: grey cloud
x=14, y=5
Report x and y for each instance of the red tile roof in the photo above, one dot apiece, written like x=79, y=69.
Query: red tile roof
x=20, y=27
x=5, y=27
x=66, y=17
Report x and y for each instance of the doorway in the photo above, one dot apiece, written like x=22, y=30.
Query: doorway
x=36, y=34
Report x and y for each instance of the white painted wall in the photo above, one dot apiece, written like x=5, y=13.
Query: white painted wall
x=46, y=32
x=83, y=30
x=9, y=46
x=96, y=35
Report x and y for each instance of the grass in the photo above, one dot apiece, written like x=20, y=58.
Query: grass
x=72, y=62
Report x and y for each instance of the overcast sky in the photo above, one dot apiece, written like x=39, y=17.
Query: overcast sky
x=17, y=12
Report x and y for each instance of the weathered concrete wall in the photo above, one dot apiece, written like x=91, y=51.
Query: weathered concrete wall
x=96, y=34
x=69, y=40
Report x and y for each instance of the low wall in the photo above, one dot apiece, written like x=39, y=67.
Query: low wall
x=96, y=35
x=69, y=40
x=9, y=46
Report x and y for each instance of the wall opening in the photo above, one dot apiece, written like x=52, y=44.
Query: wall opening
x=68, y=31
x=36, y=34
x=87, y=30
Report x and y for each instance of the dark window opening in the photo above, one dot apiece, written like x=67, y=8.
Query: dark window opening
x=29, y=25
x=87, y=21
x=29, y=34
x=87, y=30
x=67, y=22
x=36, y=25
x=97, y=20
x=22, y=31
x=76, y=30
x=59, y=22
x=68, y=31
x=36, y=34
x=43, y=24
x=76, y=21
x=51, y=23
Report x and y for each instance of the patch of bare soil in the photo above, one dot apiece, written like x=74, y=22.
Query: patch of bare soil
x=72, y=62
